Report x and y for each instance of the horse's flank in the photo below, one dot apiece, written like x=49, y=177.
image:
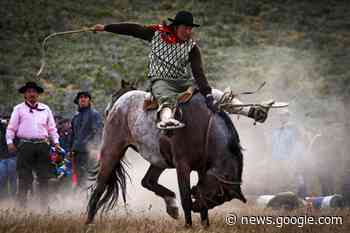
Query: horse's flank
x=143, y=133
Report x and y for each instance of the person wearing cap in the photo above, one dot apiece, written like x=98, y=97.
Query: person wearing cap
x=30, y=130
x=86, y=134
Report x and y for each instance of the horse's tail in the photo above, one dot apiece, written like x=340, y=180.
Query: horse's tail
x=115, y=184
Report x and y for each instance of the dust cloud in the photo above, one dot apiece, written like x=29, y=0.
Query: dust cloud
x=316, y=111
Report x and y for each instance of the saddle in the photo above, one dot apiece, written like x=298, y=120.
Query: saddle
x=150, y=103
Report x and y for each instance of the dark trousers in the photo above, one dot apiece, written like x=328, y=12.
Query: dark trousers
x=33, y=157
x=82, y=162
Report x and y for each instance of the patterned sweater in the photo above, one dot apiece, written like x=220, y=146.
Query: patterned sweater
x=169, y=59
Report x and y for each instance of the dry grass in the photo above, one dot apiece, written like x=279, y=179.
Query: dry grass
x=12, y=220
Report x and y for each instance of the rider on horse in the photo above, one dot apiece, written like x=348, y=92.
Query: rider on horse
x=173, y=51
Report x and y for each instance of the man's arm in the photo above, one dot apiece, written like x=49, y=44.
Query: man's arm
x=197, y=71
x=51, y=128
x=72, y=138
x=201, y=80
x=129, y=29
x=11, y=130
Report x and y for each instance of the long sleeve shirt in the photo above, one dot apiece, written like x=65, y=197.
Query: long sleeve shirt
x=29, y=123
x=147, y=33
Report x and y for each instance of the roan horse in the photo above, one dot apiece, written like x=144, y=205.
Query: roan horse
x=209, y=144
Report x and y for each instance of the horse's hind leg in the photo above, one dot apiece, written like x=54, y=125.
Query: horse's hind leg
x=150, y=181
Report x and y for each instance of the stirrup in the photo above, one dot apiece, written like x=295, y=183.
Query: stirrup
x=169, y=125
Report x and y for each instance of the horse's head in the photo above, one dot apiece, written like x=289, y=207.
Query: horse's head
x=125, y=87
x=222, y=181
x=214, y=190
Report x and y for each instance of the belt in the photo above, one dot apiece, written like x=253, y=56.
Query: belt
x=34, y=140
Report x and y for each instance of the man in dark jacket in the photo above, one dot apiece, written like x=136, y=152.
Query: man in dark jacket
x=86, y=134
x=8, y=176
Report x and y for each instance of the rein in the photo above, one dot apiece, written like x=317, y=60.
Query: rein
x=223, y=180
x=44, y=47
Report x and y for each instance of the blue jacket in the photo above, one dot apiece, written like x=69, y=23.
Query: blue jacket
x=86, y=129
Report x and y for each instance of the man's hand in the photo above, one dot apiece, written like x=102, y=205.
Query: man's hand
x=99, y=28
x=11, y=148
x=71, y=155
x=259, y=114
x=209, y=100
x=57, y=147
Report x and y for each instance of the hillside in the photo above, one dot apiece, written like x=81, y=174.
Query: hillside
x=302, y=49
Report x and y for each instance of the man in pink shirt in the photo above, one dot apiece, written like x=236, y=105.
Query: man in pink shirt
x=29, y=130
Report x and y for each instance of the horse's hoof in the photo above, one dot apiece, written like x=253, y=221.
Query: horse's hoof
x=205, y=223
x=90, y=228
x=173, y=211
x=88, y=221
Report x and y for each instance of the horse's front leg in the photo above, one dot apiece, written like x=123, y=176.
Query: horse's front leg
x=183, y=177
x=150, y=181
x=204, y=218
x=204, y=212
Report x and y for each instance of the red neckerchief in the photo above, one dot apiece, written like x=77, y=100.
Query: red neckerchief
x=166, y=33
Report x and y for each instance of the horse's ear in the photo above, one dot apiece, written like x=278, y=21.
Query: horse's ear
x=124, y=83
x=134, y=84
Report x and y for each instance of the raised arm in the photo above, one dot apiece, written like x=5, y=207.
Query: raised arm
x=129, y=29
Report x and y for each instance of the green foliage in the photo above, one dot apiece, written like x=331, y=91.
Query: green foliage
x=300, y=45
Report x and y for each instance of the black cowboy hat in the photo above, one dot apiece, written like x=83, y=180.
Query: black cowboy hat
x=32, y=85
x=183, y=18
x=82, y=93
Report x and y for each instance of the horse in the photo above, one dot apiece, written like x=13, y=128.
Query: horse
x=209, y=145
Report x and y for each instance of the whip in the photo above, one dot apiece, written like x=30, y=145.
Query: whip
x=44, y=46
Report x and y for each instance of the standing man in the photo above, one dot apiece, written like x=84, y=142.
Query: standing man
x=86, y=134
x=31, y=125
x=288, y=144
x=8, y=176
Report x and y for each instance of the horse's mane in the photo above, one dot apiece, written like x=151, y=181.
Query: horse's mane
x=234, y=141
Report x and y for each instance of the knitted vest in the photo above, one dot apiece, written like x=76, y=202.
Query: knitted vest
x=169, y=61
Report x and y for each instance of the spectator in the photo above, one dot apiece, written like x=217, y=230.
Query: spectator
x=31, y=124
x=8, y=185
x=65, y=132
x=288, y=148
x=86, y=134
